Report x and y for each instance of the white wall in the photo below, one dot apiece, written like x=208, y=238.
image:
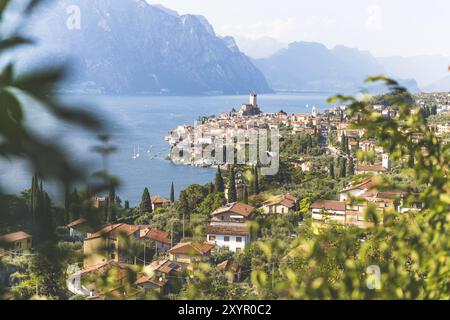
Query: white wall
x=232, y=244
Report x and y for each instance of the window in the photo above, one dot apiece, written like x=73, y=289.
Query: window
x=212, y=238
x=113, y=256
x=226, y=238
x=222, y=217
x=238, y=239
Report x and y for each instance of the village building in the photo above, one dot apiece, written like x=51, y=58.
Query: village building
x=185, y=253
x=233, y=212
x=15, y=243
x=328, y=209
x=231, y=266
x=281, y=204
x=233, y=236
x=161, y=238
x=106, y=244
x=159, y=202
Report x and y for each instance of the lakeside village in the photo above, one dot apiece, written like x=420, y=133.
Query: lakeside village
x=328, y=175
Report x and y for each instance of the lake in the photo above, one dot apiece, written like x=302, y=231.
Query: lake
x=139, y=123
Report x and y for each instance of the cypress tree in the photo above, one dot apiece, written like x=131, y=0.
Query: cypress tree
x=111, y=205
x=342, y=167
x=146, y=202
x=232, y=194
x=67, y=203
x=172, y=193
x=127, y=205
x=210, y=188
x=351, y=168
x=75, y=205
x=245, y=196
x=218, y=182
x=256, y=180
x=331, y=170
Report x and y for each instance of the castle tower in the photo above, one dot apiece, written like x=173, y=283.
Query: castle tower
x=253, y=100
x=314, y=111
x=386, y=162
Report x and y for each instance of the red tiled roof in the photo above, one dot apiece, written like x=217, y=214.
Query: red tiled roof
x=157, y=235
x=159, y=200
x=14, y=236
x=235, y=207
x=329, y=205
x=192, y=248
x=229, y=265
x=228, y=230
x=77, y=223
x=114, y=230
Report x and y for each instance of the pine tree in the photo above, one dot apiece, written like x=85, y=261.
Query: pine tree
x=331, y=170
x=351, y=168
x=146, y=202
x=126, y=205
x=218, y=182
x=245, y=195
x=232, y=194
x=172, y=193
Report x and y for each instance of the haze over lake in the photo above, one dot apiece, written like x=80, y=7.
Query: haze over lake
x=139, y=124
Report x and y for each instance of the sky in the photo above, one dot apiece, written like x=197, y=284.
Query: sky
x=384, y=27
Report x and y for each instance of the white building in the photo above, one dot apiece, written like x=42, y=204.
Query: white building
x=234, y=236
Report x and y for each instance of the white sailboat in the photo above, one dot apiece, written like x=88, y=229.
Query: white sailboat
x=134, y=153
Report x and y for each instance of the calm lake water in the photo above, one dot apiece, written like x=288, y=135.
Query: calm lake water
x=141, y=122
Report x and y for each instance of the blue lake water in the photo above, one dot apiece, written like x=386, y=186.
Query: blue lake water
x=141, y=122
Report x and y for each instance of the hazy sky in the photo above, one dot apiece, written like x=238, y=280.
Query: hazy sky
x=385, y=27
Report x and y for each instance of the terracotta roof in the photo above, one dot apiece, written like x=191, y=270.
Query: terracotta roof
x=14, y=236
x=158, y=235
x=229, y=265
x=286, y=200
x=77, y=223
x=146, y=279
x=228, y=230
x=235, y=207
x=114, y=230
x=366, y=184
x=159, y=200
x=192, y=248
x=329, y=205
x=165, y=266
x=371, y=168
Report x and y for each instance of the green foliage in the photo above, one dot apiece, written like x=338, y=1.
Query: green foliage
x=219, y=185
x=146, y=202
x=232, y=193
x=172, y=193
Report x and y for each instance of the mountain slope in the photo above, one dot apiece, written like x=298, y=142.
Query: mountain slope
x=130, y=47
x=310, y=66
x=426, y=69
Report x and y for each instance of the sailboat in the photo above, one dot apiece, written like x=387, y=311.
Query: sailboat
x=134, y=153
x=137, y=154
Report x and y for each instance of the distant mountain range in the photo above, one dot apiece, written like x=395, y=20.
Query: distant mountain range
x=311, y=66
x=131, y=47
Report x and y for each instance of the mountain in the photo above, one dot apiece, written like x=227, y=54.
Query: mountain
x=259, y=48
x=426, y=69
x=442, y=85
x=310, y=66
x=131, y=47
